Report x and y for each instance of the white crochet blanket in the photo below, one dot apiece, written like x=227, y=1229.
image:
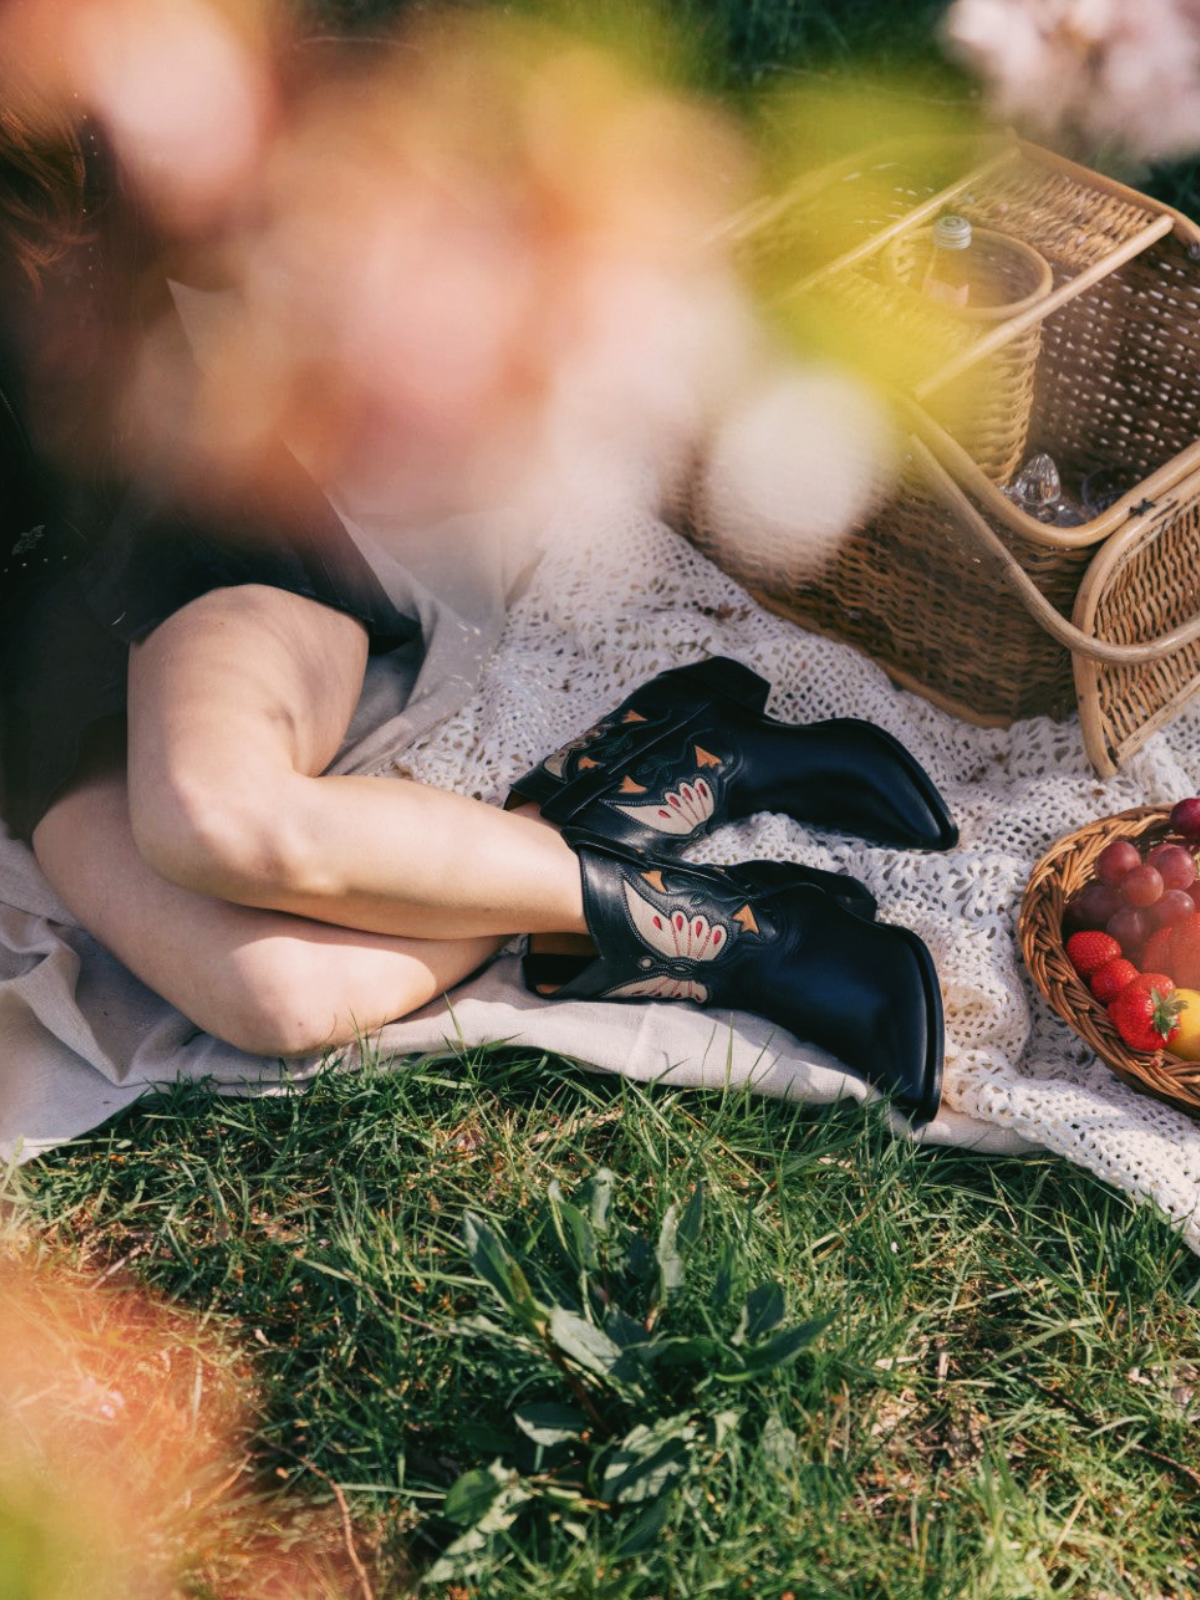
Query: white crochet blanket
x=617, y=598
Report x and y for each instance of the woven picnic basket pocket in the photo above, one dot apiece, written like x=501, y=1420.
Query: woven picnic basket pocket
x=1061, y=873
x=988, y=407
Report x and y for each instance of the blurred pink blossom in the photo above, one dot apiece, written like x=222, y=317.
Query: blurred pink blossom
x=182, y=87
x=471, y=256
x=464, y=265
x=1123, y=73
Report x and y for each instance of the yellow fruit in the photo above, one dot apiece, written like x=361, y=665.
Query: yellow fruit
x=1186, y=1042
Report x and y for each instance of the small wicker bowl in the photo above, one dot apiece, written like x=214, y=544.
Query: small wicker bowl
x=1061, y=873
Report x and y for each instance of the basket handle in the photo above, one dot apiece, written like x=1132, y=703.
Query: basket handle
x=1030, y=596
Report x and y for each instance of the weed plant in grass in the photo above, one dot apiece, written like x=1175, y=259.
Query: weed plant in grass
x=1003, y=1401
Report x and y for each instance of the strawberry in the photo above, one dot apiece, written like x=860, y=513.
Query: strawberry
x=1185, y=952
x=1090, y=950
x=1156, y=952
x=1108, y=981
x=1144, y=1014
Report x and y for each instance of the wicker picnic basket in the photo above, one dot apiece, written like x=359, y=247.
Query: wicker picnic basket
x=958, y=592
x=1061, y=873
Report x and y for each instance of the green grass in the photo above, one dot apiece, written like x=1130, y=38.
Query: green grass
x=1000, y=1406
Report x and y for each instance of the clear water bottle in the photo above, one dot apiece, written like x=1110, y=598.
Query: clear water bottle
x=948, y=275
x=1037, y=489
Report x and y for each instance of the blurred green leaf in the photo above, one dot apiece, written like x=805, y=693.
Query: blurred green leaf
x=469, y=1496
x=640, y=1262
x=595, y=1195
x=547, y=1422
x=777, y=1351
x=643, y=1531
x=682, y=1352
x=491, y=1260
x=584, y=1343
x=692, y=1220
x=670, y=1261
x=492, y=1513
x=677, y=1233
x=779, y=1444
x=648, y=1461
x=623, y=1329
x=723, y=1287
x=722, y=1425
x=574, y=1231
x=762, y=1312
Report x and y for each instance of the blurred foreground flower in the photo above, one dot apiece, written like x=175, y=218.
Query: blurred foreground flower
x=462, y=265
x=123, y=1427
x=476, y=251
x=183, y=87
x=798, y=460
x=1123, y=73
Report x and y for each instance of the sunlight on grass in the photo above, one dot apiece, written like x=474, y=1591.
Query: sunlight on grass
x=1003, y=1402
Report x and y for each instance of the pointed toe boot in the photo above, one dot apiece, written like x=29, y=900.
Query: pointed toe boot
x=693, y=748
x=746, y=939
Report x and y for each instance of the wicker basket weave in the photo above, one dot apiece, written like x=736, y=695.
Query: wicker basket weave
x=1061, y=873
x=954, y=589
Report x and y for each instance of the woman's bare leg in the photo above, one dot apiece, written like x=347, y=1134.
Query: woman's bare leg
x=236, y=705
x=273, y=984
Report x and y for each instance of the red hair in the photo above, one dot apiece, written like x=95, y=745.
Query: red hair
x=42, y=180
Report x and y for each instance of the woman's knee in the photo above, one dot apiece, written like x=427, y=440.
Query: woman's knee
x=232, y=836
x=283, y=997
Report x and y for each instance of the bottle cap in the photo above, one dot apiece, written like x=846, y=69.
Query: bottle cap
x=952, y=233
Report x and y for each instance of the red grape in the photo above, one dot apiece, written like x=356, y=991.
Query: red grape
x=1172, y=906
x=1185, y=818
x=1143, y=886
x=1175, y=865
x=1116, y=859
x=1129, y=928
x=1091, y=907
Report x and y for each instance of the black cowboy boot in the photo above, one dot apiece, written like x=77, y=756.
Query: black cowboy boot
x=665, y=930
x=692, y=749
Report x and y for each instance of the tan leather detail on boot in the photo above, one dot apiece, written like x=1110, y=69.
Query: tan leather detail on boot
x=586, y=761
x=705, y=758
x=746, y=918
x=655, y=880
x=633, y=716
x=629, y=787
